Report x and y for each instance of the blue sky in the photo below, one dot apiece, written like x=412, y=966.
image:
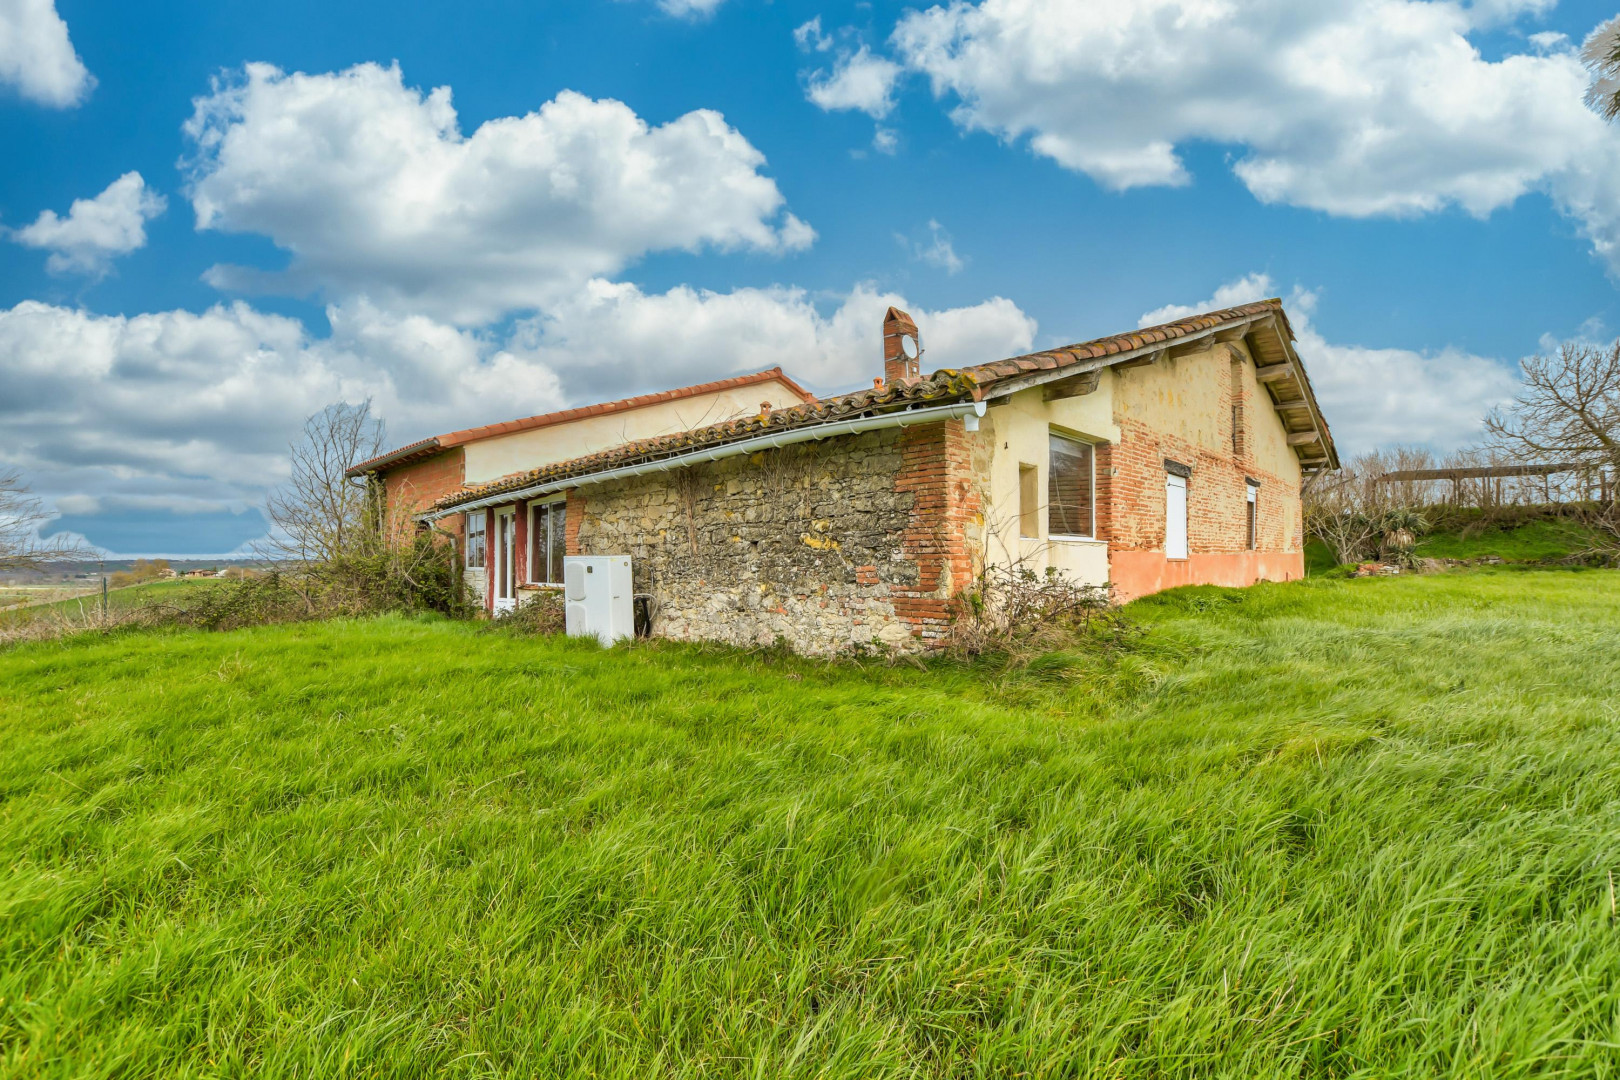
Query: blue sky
x=1418, y=179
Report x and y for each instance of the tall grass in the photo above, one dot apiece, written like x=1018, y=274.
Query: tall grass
x=1334, y=828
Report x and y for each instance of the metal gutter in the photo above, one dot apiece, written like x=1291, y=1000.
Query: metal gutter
x=902, y=418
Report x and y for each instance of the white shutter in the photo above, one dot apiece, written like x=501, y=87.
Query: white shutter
x=1175, y=516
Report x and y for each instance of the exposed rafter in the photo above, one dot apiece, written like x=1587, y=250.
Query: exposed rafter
x=1074, y=386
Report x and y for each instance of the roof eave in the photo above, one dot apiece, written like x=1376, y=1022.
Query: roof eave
x=1330, y=455
x=1273, y=318
x=497, y=494
x=419, y=448
x=1002, y=388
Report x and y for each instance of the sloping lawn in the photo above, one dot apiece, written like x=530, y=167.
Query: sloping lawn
x=1543, y=540
x=1334, y=828
x=1530, y=541
x=88, y=602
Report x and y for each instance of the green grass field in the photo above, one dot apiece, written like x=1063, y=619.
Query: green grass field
x=1545, y=540
x=1335, y=828
x=117, y=599
x=1529, y=542
x=25, y=594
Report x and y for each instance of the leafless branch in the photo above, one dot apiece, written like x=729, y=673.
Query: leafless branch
x=319, y=515
x=20, y=517
x=1567, y=410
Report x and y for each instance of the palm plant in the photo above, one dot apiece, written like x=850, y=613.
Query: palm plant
x=1601, y=53
x=1402, y=526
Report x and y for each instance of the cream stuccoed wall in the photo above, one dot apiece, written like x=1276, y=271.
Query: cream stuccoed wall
x=502, y=455
x=1189, y=397
x=1185, y=396
x=1019, y=429
x=1268, y=444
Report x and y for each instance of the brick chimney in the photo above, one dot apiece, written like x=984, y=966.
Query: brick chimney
x=899, y=334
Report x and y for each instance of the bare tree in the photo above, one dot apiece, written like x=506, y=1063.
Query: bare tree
x=319, y=515
x=1347, y=509
x=1403, y=493
x=20, y=517
x=1569, y=410
x=1602, y=54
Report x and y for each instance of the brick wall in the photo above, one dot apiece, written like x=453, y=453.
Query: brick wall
x=412, y=487
x=944, y=527
x=1217, y=496
x=1132, y=487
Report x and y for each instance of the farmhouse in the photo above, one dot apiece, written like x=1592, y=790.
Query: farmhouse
x=752, y=510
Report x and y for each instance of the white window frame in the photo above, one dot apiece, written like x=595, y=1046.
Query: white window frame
x=529, y=555
x=1053, y=433
x=1251, y=516
x=1170, y=482
x=505, y=557
x=482, y=517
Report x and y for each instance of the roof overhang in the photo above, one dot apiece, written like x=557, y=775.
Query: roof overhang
x=1282, y=376
x=948, y=392
x=394, y=458
x=425, y=448
x=813, y=432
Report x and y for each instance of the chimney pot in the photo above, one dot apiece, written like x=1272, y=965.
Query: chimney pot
x=902, y=351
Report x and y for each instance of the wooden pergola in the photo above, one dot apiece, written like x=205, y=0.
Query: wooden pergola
x=1493, y=472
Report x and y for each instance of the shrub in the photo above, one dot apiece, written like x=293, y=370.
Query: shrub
x=421, y=575
x=541, y=613
x=1015, y=612
x=143, y=570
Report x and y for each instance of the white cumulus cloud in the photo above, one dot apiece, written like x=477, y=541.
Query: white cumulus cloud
x=36, y=56
x=375, y=191
x=936, y=250
x=689, y=9
x=193, y=412
x=1376, y=397
x=613, y=334
x=860, y=81
x=96, y=230
x=1353, y=107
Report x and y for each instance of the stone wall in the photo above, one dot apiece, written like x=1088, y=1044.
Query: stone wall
x=859, y=540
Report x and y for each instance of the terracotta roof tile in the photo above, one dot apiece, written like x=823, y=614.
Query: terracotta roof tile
x=425, y=447
x=942, y=387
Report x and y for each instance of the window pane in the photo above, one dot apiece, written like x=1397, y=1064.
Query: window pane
x=1068, y=494
x=559, y=521
x=537, y=546
x=475, y=540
